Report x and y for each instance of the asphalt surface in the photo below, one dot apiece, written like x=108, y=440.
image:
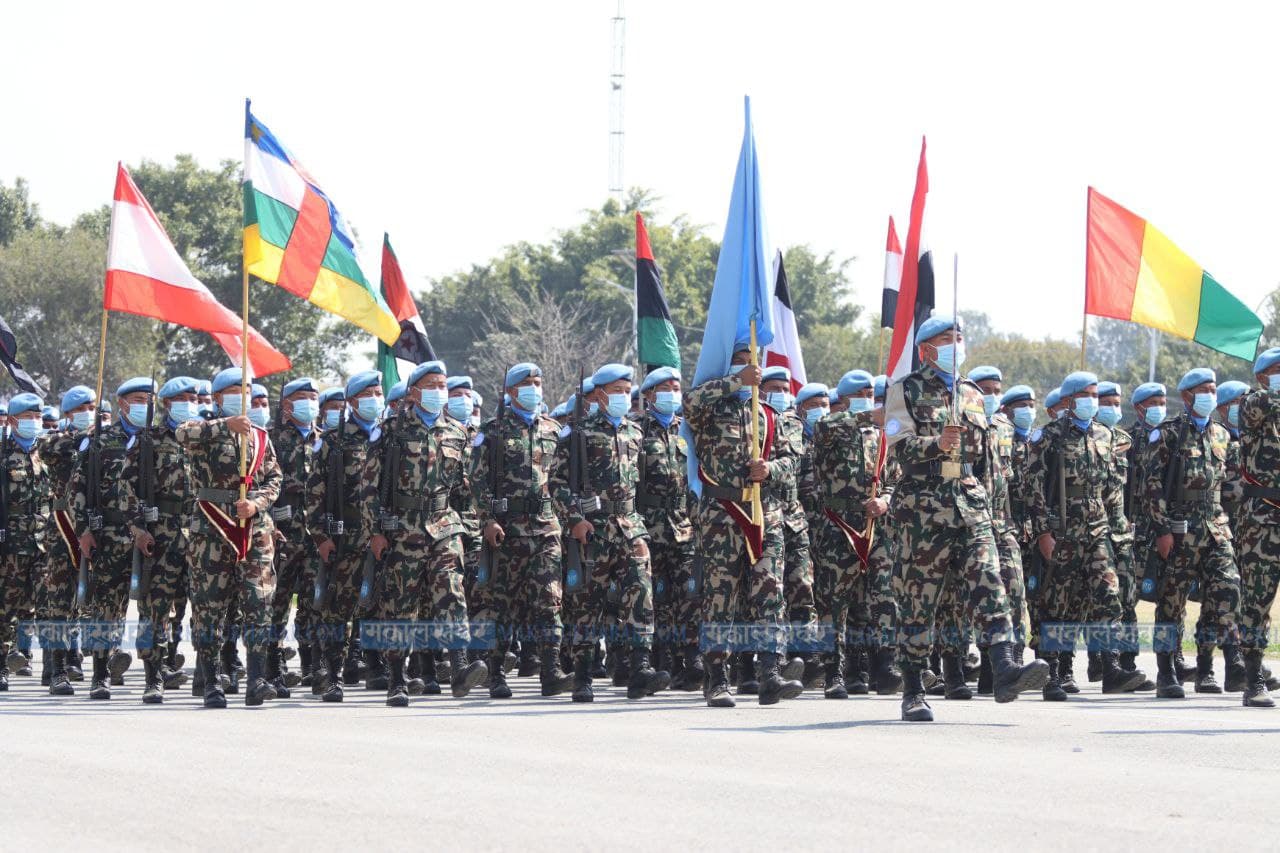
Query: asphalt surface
x=1098, y=772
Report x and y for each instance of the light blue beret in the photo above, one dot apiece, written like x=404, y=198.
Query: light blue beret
x=179, y=385
x=76, y=396
x=1146, y=391
x=520, y=372
x=833, y=397
x=302, y=383
x=20, y=404
x=810, y=390
x=1229, y=392
x=397, y=392
x=425, y=369
x=934, y=326
x=362, y=380
x=588, y=385
x=985, y=372
x=476, y=400
x=1077, y=382
x=49, y=412
x=1017, y=394
x=559, y=411
x=330, y=394
x=775, y=372
x=225, y=379
x=1053, y=398
x=1198, y=376
x=1110, y=389
x=1267, y=359
x=137, y=383
x=658, y=376
x=611, y=373
x=256, y=391
x=104, y=406
x=459, y=382
x=635, y=392
x=882, y=385
x=206, y=387
x=854, y=381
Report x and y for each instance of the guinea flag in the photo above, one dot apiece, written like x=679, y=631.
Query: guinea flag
x=656, y=342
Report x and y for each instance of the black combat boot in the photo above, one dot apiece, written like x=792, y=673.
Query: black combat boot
x=1184, y=671
x=582, y=676
x=307, y=673
x=498, y=687
x=100, y=687
x=375, y=671
x=644, y=679
x=791, y=667
x=986, y=681
x=207, y=663
x=953, y=678
x=118, y=663
x=464, y=676
x=231, y=663
x=74, y=660
x=694, y=673
x=1167, y=684
x=228, y=657
x=1129, y=663
x=319, y=668
x=748, y=681
x=773, y=687
x=855, y=681
x=664, y=659
x=621, y=667
x=197, y=678
x=59, y=684
x=1052, y=691
x=257, y=688
x=833, y=663
x=716, y=689
x=1116, y=679
x=4, y=677
x=1011, y=678
x=888, y=676
x=914, y=707
x=174, y=659
x=275, y=671
x=173, y=677
x=598, y=663
x=430, y=676
x=332, y=687
x=46, y=669
x=24, y=646
x=1237, y=677
x=530, y=664
x=1255, y=688
x=1066, y=672
x=554, y=679
x=352, y=669
x=397, y=690
x=1094, y=671
x=1205, y=682
x=153, y=691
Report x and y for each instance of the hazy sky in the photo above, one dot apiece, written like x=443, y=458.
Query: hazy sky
x=462, y=127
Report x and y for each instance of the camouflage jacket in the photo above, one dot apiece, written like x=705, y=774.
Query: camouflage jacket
x=1122, y=444
x=113, y=495
x=1019, y=454
x=59, y=451
x=807, y=482
x=214, y=453
x=296, y=454
x=789, y=444
x=612, y=471
x=528, y=454
x=998, y=484
x=429, y=478
x=464, y=502
x=174, y=494
x=662, y=494
x=1136, y=476
x=1233, y=483
x=846, y=447
x=1260, y=450
x=1202, y=457
x=27, y=489
x=1085, y=462
x=721, y=426
x=351, y=442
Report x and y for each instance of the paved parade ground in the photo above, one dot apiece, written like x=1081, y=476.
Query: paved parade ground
x=531, y=773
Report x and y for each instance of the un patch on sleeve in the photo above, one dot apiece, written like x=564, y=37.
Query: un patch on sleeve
x=478, y=440
x=892, y=427
x=1154, y=435
x=565, y=430
x=1035, y=435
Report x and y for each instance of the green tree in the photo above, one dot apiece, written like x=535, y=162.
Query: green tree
x=17, y=212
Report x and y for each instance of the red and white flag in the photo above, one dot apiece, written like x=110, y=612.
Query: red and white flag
x=916, y=292
x=784, y=350
x=147, y=276
x=892, y=277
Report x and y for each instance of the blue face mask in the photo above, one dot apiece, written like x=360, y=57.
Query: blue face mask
x=858, y=405
x=990, y=402
x=28, y=428
x=812, y=416
x=1085, y=408
x=82, y=420
x=259, y=415
x=735, y=369
x=619, y=405
x=304, y=410
x=433, y=400
x=592, y=408
x=205, y=409
x=666, y=402
x=529, y=397
x=1024, y=417
x=950, y=357
x=1108, y=416
x=137, y=414
x=332, y=418
x=231, y=405
x=181, y=411
x=368, y=408
x=779, y=401
x=1154, y=416
x=1233, y=415
x=1204, y=404
x=460, y=407
x=1273, y=382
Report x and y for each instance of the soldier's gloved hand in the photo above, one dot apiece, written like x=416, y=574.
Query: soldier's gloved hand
x=325, y=549
x=582, y=531
x=950, y=438
x=87, y=543
x=494, y=534
x=1047, y=543
x=246, y=509
x=377, y=544
x=240, y=426
x=1164, y=545
x=876, y=507
x=750, y=375
x=143, y=541
x=759, y=471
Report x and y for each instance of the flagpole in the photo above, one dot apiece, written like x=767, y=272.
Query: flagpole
x=244, y=377
x=757, y=511
x=102, y=354
x=1084, y=328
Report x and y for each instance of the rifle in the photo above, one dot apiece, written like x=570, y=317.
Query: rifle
x=387, y=521
x=488, y=562
x=140, y=576
x=1039, y=575
x=93, y=513
x=334, y=500
x=1153, y=569
x=5, y=447
x=578, y=562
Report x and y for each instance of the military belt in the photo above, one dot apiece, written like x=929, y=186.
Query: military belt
x=1197, y=495
x=943, y=470
x=169, y=506
x=723, y=493
x=786, y=494
x=675, y=503
x=115, y=518
x=623, y=507
x=218, y=496
x=62, y=505
x=843, y=504
x=433, y=503
x=528, y=506
x=1264, y=492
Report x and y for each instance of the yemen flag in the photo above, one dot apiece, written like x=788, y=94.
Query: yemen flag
x=1134, y=272
x=295, y=237
x=915, y=294
x=147, y=276
x=656, y=343
x=892, y=278
x=413, y=345
x=785, y=349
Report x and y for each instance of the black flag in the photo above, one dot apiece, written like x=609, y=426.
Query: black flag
x=9, y=353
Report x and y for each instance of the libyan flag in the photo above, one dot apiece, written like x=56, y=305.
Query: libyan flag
x=656, y=343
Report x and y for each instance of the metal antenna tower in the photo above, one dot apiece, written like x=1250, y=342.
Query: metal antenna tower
x=617, y=74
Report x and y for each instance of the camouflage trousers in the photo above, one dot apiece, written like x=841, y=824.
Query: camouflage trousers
x=1198, y=556
x=798, y=576
x=1258, y=539
x=168, y=570
x=738, y=590
x=55, y=587
x=1010, y=553
x=218, y=580
x=839, y=578
x=292, y=556
x=15, y=594
x=345, y=571
x=934, y=555
x=524, y=597
x=1127, y=577
x=677, y=599
x=422, y=576
x=873, y=611
x=109, y=574
x=622, y=572
x=1083, y=588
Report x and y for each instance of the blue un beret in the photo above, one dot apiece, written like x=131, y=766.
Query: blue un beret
x=206, y=387
x=256, y=391
x=20, y=404
x=427, y=368
x=611, y=373
x=882, y=385
x=934, y=326
x=49, y=412
x=1053, y=398
x=397, y=392
x=137, y=383
x=1229, y=392
x=459, y=382
x=362, y=380
x=1017, y=394
x=658, y=376
x=1076, y=382
x=179, y=385
x=520, y=372
x=476, y=399
x=330, y=394
x=1110, y=389
x=810, y=390
x=985, y=372
x=775, y=372
x=1146, y=391
x=76, y=396
x=1267, y=359
x=302, y=383
x=854, y=381
x=225, y=379
x=833, y=397
x=1198, y=376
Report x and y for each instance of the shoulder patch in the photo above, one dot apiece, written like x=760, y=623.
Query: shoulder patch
x=128, y=445
x=478, y=440
x=565, y=430
x=1154, y=435
x=1036, y=435
x=375, y=434
x=891, y=428
x=317, y=444
x=84, y=444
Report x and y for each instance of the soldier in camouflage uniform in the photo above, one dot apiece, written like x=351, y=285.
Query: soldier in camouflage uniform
x=739, y=555
x=1073, y=465
x=521, y=530
x=218, y=573
x=602, y=517
x=344, y=555
x=23, y=549
x=1018, y=408
x=661, y=496
x=459, y=408
x=1233, y=486
x=942, y=516
x=160, y=531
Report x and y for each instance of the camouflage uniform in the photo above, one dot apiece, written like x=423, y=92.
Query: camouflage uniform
x=56, y=587
x=1122, y=530
x=1258, y=525
x=295, y=553
x=24, y=550
x=661, y=496
x=788, y=443
x=1021, y=526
